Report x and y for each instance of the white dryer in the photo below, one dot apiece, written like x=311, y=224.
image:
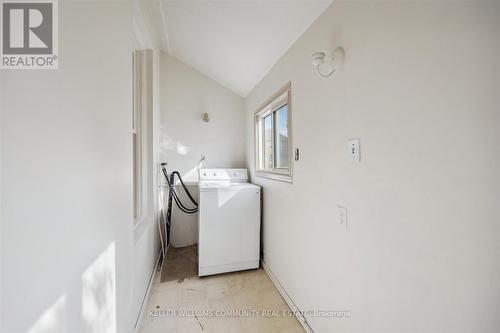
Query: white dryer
x=228, y=222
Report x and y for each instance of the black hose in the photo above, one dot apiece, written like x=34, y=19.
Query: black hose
x=185, y=188
x=179, y=204
x=173, y=194
x=169, y=209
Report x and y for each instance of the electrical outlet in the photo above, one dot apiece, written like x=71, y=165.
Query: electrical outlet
x=354, y=150
x=342, y=215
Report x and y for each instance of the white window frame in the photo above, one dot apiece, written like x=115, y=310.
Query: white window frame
x=142, y=125
x=279, y=99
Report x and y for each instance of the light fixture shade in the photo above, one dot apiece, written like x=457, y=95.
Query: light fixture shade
x=338, y=57
x=318, y=58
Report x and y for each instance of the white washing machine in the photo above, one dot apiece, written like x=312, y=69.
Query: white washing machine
x=228, y=222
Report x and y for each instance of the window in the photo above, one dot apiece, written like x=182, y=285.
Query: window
x=141, y=131
x=273, y=139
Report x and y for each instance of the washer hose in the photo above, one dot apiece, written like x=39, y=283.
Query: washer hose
x=172, y=194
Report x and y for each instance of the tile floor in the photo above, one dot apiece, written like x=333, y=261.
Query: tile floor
x=198, y=304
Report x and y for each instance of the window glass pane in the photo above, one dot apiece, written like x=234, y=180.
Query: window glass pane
x=281, y=139
x=268, y=142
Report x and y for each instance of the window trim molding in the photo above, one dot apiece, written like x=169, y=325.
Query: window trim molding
x=143, y=128
x=272, y=103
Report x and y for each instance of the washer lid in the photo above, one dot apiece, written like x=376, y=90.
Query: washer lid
x=226, y=186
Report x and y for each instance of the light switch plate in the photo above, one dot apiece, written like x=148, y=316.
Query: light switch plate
x=354, y=150
x=342, y=215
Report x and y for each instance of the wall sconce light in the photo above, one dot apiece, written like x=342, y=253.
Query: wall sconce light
x=205, y=117
x=318, y=59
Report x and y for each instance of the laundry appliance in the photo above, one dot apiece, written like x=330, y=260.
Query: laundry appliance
x=228, y=221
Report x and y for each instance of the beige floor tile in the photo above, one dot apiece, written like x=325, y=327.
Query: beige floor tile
x=256, y=279
x=151, y=323
x=245, y=300
x=259, y=324
x=224, y=325
x=193, y=293
x=219, y=294
x=270, y=297
x=289, y=329
x=223, y=287
x=218, y=278
x=222, y=304
x=189, y=282
x=191, y=324
x=165, y=298
x=192, y=328
x=156, y=279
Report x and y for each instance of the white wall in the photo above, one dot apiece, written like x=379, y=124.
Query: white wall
x=72, y=260
x=420, y=89
x=1, y=202
x=185, y=95
x=146, y=236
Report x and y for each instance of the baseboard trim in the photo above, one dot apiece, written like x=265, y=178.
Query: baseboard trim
x=148, y=292
x=302, y=320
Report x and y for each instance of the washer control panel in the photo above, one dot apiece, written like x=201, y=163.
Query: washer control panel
x=224, y=175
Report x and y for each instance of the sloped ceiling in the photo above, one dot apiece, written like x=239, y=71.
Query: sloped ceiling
x=235, y=42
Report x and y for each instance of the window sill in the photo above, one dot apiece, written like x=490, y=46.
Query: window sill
x=275, y=176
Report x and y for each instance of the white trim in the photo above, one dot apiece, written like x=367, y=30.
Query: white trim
x=143, y=126
x=301, y=319
x=277, y=100
x=284, y=177
x=147, y=294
